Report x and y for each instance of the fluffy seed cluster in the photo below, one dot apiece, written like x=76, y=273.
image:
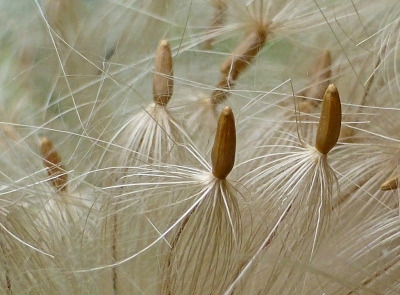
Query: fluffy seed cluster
x=184, y=147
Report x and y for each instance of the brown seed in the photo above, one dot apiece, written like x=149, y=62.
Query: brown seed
x=244, y=53
x=322, y=77
x=163, y=83
x=52, y=161
x=390, y=184
x=224, y=149
x=330, y=121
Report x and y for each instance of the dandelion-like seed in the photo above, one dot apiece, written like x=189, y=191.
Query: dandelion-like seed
x=296, y=191
x=212, y=226
x=175, y=205
x=48, y=228
x=151, y=136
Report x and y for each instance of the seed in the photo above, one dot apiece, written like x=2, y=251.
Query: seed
x=224, y=149
x=163, y=83
x=330, y=121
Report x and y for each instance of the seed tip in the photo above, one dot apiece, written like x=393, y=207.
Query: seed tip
x=164, y=43
x=332, y=89
x=46, y=146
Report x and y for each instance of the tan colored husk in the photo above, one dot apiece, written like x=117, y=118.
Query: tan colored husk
x=224, y=149
x=163, y=83
x=330, y=121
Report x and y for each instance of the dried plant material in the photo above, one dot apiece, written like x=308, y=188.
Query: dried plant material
x=224, y=149
x=330, y=121
x=163, y=83
x=321, y=80
x=241, y=57
x=53, y=162
x=390, y=184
